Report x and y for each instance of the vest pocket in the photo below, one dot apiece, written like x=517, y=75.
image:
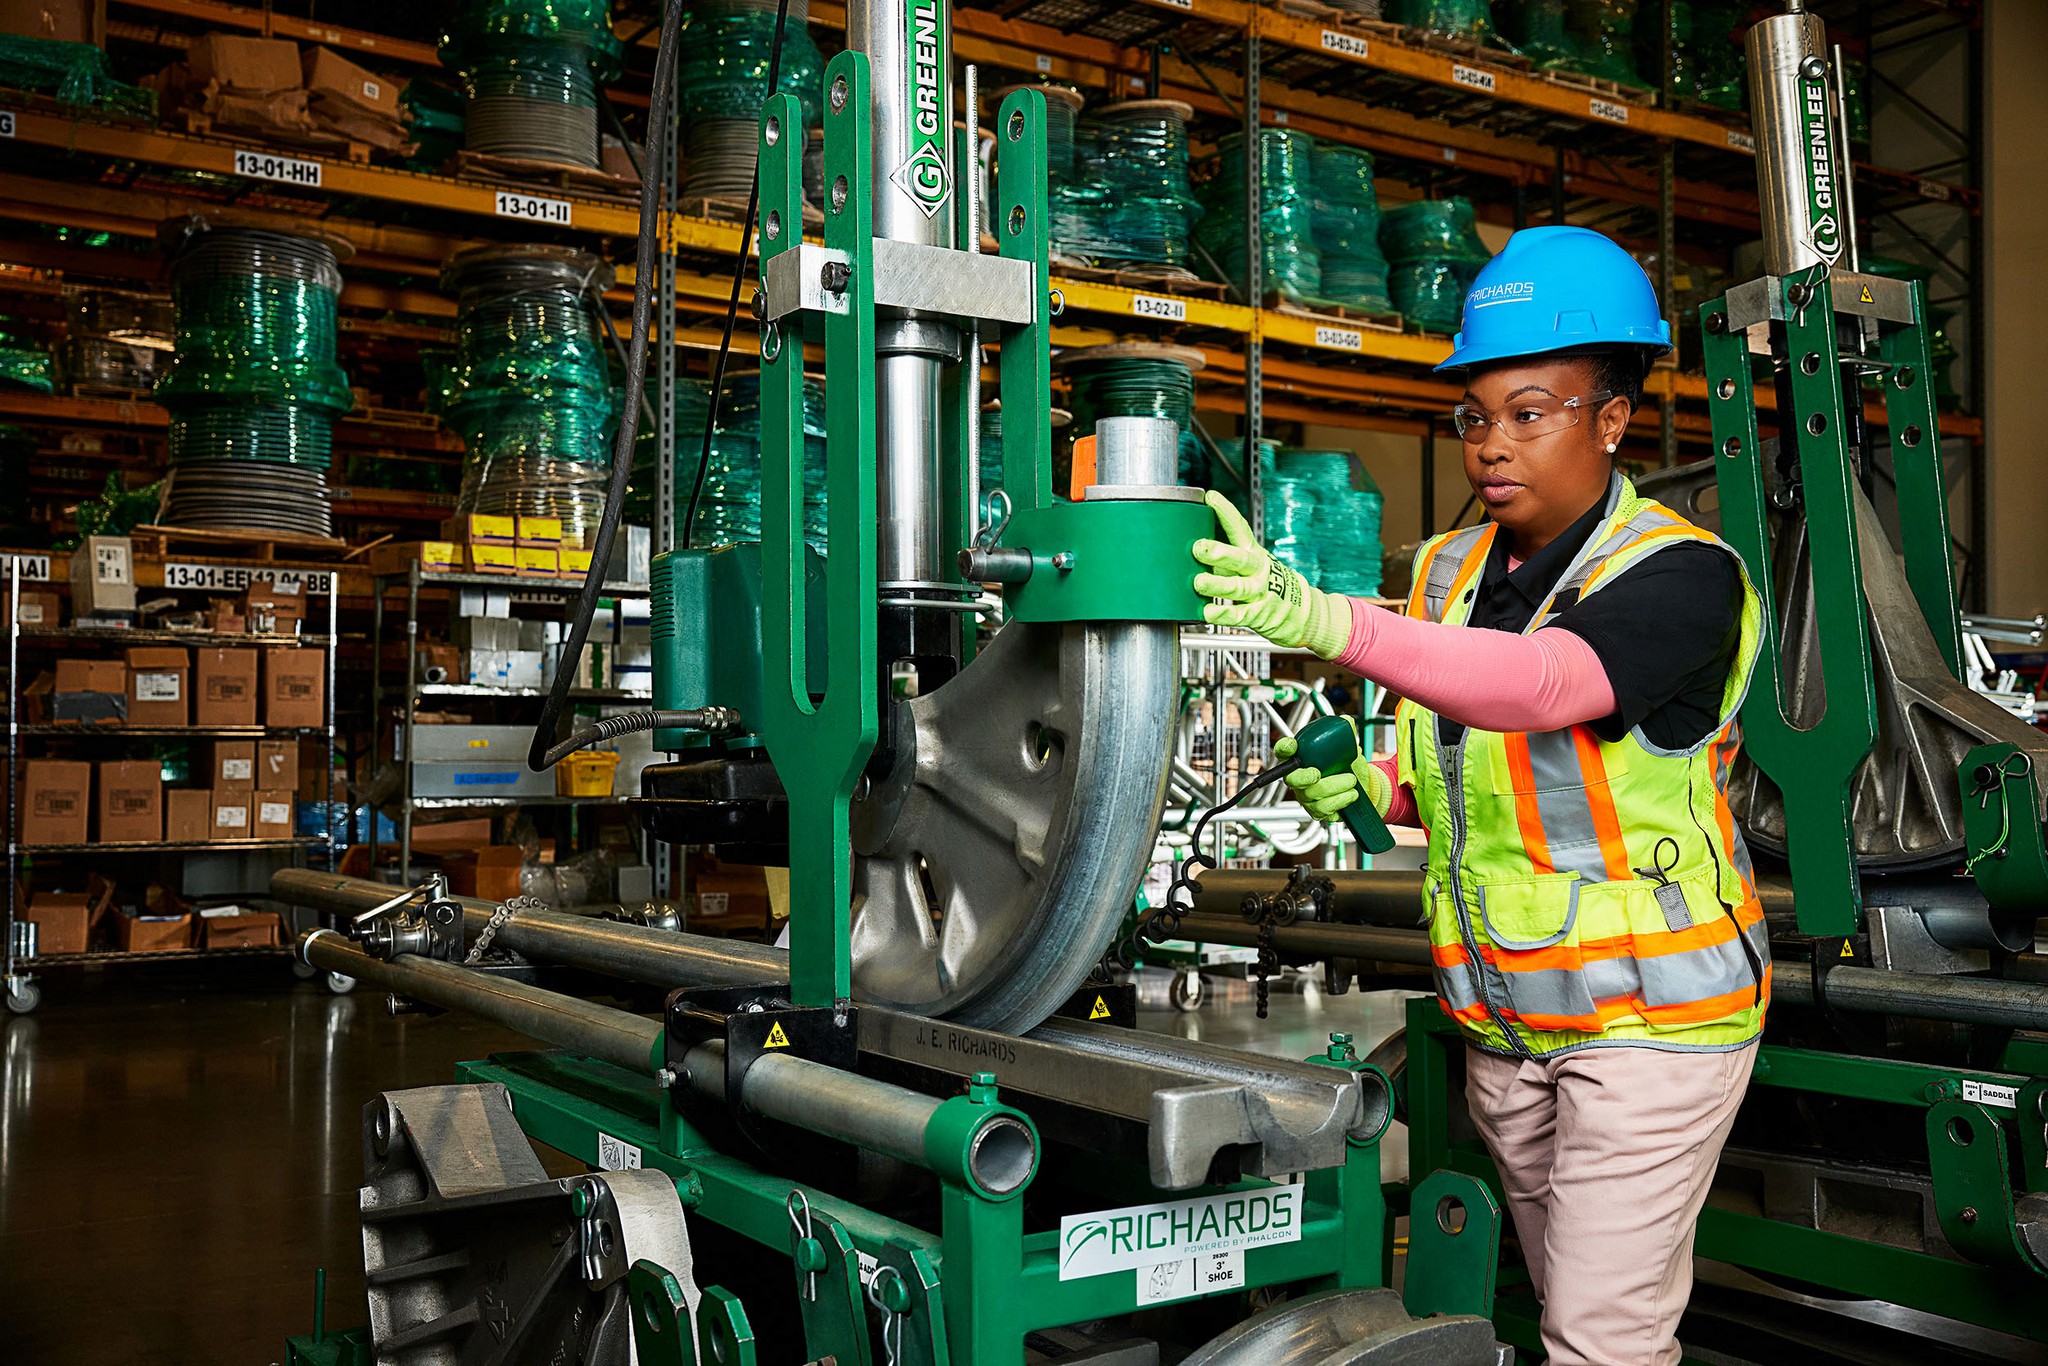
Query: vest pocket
x=1533, y=924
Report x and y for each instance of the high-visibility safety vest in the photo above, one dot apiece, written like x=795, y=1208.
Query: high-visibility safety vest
x=1579, y=892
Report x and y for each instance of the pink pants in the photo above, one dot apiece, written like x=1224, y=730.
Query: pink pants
x=1606, y=1155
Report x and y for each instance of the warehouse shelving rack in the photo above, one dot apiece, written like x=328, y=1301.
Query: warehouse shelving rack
x=18, y=978
x=406, y=693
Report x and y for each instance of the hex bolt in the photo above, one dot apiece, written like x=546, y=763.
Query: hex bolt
x=690, y=1190
x=834, y=276
x=1063, y=560
x=1968, y=1214
x=1340, y=1049
x=981, y=1088
x=665, y=1078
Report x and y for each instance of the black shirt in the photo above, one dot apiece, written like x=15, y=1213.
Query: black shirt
x=1665, y=631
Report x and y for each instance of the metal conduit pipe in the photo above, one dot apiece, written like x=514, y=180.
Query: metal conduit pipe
x=618, y=1037
x=1307, y=937
x=1002, y=1152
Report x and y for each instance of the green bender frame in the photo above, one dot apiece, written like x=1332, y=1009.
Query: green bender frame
x=964, y=1275
x=1983, y=1124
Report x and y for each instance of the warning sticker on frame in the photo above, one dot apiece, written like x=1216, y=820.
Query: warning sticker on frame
x=615, y=1154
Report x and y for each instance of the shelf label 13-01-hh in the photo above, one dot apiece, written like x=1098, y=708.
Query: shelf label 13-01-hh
x=533, y=208
x=286, y=170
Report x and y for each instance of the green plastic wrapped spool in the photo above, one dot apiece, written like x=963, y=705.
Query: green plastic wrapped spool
x=1130, y=201
x=1225, y=476
x=530, y=391
x=1345, y=521
x=729, y=510
x=71, y=73
x=24, y=362
x=1720, y=72
x=1433, y=250
x=531, y=70
x=1595, y=38
x=253, y=373
x=1470, y=19
x=1291, y=524
x=1347, y=228
x=991, y=444
x=724, y=55
x=1291, y=265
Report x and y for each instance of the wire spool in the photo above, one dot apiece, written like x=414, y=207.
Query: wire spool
x=991, y=441
x=1722, y=73
x=1062, y=107
x=1139, y=379
x=1291, y=265
x=24, y=361
x=1344, y=523
x=1364, y=9
x=1130, y=201
x=726, y=50
x=531, y=70
x=253, y=385
x=1585, y=37
x=1433, y=250
x=1468, y=19
x=118, y=338
x=530, y=393
x=1347, y=228
x=1290, y=524
x=729, y=511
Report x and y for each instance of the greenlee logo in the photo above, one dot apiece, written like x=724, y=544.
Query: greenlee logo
x=1147, y=1235
x=926, y=174
x=1824, y=224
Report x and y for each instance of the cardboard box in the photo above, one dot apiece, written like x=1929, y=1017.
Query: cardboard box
x=433, y=557
x=88, y=691
x=55, y=796
x=575, y=561
x=497, y=871
x=188, y=815
x=103, y=577
x=487, y=633
x=243, y=930
x=159, y=685
x=277, y=764
x=728, y=895
x=537, y=530
x=224, y=687
x=38, y=607
x=63, y=920
x=295, y=688
x=272, y=816
x=523, y=668
x=64, y=21
x=155, y=935
x=273, y=614
x=250, y=66
x=234, y=765
x=539, y=561
x=483, y=528
x=493, y=558
x=331, y=75
x=131, y=801
x=232, y=814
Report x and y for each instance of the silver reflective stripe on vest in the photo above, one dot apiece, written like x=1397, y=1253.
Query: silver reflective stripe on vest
x=1565, y=806
x=1653, y=518
x=1671, y=979
x=1455, y=985
x=1444, y=567
x=1723, y=758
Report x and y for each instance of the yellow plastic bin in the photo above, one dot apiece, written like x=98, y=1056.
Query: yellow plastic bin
x=586, y=773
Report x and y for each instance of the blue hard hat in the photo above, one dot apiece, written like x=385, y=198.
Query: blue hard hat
x=1553, y=289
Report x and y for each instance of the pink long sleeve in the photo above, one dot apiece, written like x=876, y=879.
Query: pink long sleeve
x=1401, y=810
x=1489, y=680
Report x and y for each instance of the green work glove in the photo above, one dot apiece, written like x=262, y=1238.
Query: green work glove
x=1326, y=796
x=1263, y=594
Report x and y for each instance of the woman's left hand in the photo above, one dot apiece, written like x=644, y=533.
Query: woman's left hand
x=1264, y=595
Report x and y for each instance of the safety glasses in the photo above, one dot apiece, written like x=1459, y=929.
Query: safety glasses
x=1526, y=419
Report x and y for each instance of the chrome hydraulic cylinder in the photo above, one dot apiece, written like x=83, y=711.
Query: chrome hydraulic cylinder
x=1801, y=175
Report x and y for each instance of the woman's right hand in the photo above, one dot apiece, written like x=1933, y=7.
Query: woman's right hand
x=1264, y=595
x=1326, y=795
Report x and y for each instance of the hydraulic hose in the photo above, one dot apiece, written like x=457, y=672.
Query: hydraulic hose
x=712, y=720
x=537, y=754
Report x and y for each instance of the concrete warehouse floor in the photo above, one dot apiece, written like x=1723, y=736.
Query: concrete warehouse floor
x=179, y=1153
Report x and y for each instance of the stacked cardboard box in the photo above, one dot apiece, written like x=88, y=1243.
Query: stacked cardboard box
x=267, y=86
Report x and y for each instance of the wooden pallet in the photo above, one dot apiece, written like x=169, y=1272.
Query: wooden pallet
x=262, y=546
x=1597, y=87
x=1165, y=279
x=111, y=392
x=1328, y=311
x=1405, y=34
x=200, y=124
x=522, y=173
x=728, y=209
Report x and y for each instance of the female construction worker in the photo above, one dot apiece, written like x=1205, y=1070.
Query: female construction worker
x=1569, y=672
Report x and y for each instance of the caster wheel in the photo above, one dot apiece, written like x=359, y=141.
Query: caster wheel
x=340, y=984
x=1186, y=991
x=305, y=972
x=24, y=997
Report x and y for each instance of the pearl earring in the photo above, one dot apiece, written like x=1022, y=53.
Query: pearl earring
x=1610, y=448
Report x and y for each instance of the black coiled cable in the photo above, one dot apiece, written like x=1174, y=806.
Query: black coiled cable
x=1163, y=921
